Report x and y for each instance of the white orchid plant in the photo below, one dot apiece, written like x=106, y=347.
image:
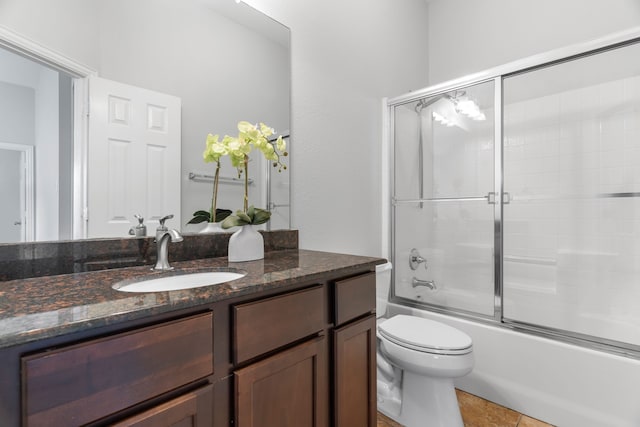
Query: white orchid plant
x=214, y=152
x=238, y=148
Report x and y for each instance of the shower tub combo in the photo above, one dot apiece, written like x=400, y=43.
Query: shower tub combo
x=514, y=212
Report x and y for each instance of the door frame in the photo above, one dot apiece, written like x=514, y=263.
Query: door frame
x=80, y=73
x=27, y=214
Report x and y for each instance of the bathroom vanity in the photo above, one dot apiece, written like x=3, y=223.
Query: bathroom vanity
x=296, y=335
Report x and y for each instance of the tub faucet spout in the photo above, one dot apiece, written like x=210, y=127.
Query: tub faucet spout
x=429, y=284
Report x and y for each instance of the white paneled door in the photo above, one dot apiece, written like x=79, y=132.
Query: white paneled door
x=133, y=158
x=16, y=193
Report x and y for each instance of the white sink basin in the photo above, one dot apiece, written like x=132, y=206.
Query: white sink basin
x=177, y=282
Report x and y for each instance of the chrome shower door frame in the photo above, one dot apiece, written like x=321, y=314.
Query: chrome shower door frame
x=497, y=75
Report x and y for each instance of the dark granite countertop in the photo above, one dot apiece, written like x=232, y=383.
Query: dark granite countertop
x=49, y=306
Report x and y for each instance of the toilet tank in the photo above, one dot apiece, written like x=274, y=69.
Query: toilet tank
x=383, y=285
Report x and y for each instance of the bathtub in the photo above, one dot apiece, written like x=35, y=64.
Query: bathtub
x=561, y=384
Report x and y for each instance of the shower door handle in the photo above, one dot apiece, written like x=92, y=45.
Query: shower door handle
x=491, y=198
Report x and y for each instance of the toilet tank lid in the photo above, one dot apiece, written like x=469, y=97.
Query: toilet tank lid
x=384, y=267
x=424, y=333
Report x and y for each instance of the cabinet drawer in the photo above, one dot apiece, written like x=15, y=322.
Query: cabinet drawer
x=87, y=381
x=354, y=297
x=268, y=324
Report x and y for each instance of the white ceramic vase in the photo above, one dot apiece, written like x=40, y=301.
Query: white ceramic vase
x=212, y=227
x=246, y=244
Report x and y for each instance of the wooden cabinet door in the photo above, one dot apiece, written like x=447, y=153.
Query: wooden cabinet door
x=355, y=374
x=288, y=389
x=193, y=409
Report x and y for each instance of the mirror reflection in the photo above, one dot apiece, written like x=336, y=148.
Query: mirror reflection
x=217, y=61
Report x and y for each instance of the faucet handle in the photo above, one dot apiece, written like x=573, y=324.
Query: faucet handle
x=161, y=227
x=415, y=259
x=163, y=219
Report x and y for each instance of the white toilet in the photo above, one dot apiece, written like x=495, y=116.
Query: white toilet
x=418, y=359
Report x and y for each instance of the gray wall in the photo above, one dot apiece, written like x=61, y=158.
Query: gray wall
x=17, y=116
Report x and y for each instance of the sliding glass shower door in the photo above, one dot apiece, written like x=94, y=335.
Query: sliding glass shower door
x=572, y=167
x=515, y=196
x=444, y=206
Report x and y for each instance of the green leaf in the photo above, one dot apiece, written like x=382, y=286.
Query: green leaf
x=199, y=217
x=244, y=217
x=221, y=214
x=261, y=216
x=253, y=216
x=232, y=221
x=251, y=213
x=203, y=216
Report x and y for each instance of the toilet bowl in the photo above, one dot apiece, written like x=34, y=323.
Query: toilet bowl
x=418, y=360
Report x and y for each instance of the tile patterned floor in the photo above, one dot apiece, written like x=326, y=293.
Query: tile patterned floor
x=477, y=412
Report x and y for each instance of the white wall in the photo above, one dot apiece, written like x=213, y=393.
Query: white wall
x=470, y=36
x=346, y=56
x=71, y=32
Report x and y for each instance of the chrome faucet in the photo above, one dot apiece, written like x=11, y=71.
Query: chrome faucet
x=163, y=237
x=163, y=248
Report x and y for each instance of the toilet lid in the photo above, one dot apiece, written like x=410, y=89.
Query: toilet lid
x=425, y=335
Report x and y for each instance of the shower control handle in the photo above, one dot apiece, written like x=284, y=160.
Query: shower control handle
x=415, y=259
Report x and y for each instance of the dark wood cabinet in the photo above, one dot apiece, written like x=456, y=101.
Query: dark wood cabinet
x=354, y=352
x=295, y=356
x=355, y=373
x=288, y=389
x=354, y=297
x=291, y=387
x=193, y=409
x=76, y=385
x=271, y=323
